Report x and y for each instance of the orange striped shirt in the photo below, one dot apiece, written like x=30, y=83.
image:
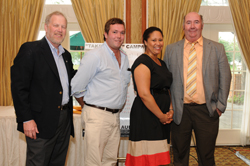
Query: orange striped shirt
x=199, y=96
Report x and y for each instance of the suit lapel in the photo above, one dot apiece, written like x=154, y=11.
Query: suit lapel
x=206, y=54
x=47, y=54
x=179, y=56
x=66, y=61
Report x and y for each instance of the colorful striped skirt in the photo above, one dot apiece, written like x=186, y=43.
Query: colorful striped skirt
x=148, y=153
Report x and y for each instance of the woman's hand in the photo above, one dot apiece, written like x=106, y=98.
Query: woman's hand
x=170, y=116
x=164, y=118
x=167, y=118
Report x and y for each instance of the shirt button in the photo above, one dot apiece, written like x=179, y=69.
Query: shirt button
x=60, y=92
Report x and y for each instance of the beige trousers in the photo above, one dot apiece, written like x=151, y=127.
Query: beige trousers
x=102, y=136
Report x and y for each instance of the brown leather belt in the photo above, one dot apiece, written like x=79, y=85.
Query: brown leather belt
x=104, y=108
x=194, y=104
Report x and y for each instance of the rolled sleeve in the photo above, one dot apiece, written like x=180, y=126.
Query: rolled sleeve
x=87, y=70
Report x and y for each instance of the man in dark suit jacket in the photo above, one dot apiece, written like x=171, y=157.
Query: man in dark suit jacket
x=40, y=85
x=200, y=110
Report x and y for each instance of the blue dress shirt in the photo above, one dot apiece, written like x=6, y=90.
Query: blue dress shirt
x=100, y=79
x=61, y=70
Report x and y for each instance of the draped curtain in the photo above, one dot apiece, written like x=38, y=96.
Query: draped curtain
x=241, y=22
x=245, y=124
x=20, y=21
x=168, y=16
x=93, y=14
x=241, y=19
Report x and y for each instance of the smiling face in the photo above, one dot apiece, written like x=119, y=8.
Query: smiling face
x=56, y=30
x=193, y=26
x=154, y=43
x=115, y=36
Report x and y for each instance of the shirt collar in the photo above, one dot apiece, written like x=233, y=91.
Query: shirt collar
x=111, y=52
x=200, y=42
x=53, y=49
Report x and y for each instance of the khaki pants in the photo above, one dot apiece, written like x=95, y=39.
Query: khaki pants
x=102, y=136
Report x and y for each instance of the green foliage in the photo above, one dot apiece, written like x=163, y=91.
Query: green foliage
x=229, y=46
x=75, y=67
x=76, y=57
x=237, y=99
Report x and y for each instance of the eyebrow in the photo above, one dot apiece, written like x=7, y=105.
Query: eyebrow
x=192, y=20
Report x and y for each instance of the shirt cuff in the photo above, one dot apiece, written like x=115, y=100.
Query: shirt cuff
x=78, y=94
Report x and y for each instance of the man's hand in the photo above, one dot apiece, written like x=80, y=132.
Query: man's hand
x=218, y=111
x=30, y=129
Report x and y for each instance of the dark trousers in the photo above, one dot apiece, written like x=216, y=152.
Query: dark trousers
x=50, y=152
x=206, y=128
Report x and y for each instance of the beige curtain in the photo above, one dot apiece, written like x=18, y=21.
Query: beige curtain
x=168, y=16
x=241, y=20
x=19, y=22
x=93, y=14
x=136, y=19
x=240, y=13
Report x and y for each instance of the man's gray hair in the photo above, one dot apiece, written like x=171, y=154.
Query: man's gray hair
x=48, y=17
x=185, y=17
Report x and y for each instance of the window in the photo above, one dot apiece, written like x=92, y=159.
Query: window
x=76, y=49
x=77, y=45
x=41, y=35
x=233, y=116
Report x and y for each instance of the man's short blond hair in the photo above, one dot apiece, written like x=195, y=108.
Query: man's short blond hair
x=48, y=17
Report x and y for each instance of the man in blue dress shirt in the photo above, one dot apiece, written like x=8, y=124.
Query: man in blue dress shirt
x=100, y=87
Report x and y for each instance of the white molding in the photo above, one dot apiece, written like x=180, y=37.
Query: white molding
x=216, y=14
x=67, y=10
x=211, y=14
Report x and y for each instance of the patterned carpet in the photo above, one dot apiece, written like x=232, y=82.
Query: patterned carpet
x=224, y=155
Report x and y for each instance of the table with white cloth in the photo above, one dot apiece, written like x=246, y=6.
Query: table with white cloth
x=13, y=143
